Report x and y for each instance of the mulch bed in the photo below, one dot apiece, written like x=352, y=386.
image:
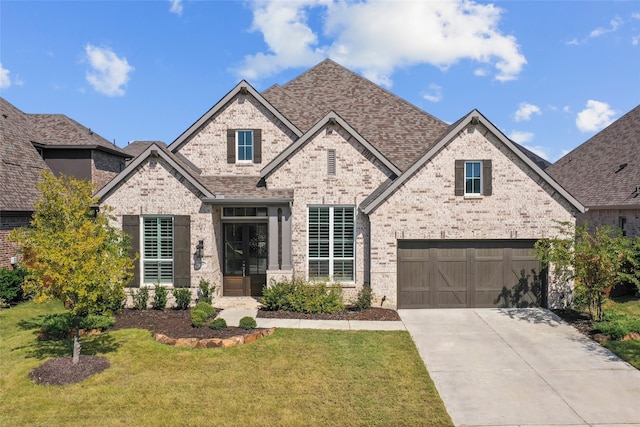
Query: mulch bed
x=61, y=370
x=373, y=313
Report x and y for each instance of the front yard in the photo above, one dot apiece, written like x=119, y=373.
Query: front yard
x=293, y=378
x=626, y=313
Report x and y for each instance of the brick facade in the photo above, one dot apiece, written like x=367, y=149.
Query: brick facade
x=104, y=167
x=7, y=223
x=598, y=217
x=521, y=206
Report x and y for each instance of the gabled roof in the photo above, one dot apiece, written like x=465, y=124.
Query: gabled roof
x=61, y=132
x=157, y=150
x=331, y=117
x=20, y=163
x=388, y=188
x=604, y=172
x=399, y=130
x=242, y=87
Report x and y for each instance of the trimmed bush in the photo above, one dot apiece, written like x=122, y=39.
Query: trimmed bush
x=248, y=322
x=363, y=299
x=316, y=298
x=206, y=291
x=201, y=313
x=218, y=323
x=160, y=297
x=11, y=285
x=276, y=296
x=183, y=298
x=207, y=308
x=140, y=299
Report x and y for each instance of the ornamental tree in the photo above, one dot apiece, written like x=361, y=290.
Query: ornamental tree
x=595, y=259
x=72, y=254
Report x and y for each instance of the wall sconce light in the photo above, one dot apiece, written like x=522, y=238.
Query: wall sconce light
x=200, y=249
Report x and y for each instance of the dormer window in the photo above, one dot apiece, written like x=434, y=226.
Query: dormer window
x=244, y=146
x=473, y=178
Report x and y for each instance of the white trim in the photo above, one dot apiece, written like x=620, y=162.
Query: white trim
x=479, y=193
x=253, y=146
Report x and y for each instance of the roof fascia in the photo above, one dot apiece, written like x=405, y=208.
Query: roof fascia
x=444, y=140
x=153, y=150
x=242, y=86
x=82, y=147
x=332, y=115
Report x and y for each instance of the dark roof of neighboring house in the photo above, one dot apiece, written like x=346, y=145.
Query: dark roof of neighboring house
x=20, y=163
x=59, y=131
x=605, y=170
x=135, y=148
x=399, y=130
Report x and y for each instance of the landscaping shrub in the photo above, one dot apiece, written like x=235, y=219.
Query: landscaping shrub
x=59, y=325
x=183, y=298
x=363, y=299
x=207, y=308
x=218, y=323
x=248, y=322
x=11, y=285
x=141, y=298
x=160, y=297
x=617, y=325
x=206, y=291
x=316, y=298
x=276, y=296
x=201, y=313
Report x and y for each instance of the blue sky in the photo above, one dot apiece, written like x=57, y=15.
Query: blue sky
x=549, y=74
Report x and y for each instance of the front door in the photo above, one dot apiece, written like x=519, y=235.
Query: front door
x=245, y=259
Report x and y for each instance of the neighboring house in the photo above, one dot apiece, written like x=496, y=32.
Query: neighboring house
x=31, y=143
x=332, y=177
x=604, y=175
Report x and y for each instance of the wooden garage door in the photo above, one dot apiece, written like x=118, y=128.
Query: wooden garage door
x=469, y=273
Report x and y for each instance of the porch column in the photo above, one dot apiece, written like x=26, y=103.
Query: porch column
x=286, y=238
x=272, y=212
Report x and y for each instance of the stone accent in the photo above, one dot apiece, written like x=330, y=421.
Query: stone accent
x=522, y=206
x=214, y=342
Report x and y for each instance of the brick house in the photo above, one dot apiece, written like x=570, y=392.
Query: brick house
x=603, y=173
x=332, y=177
x=31, y=143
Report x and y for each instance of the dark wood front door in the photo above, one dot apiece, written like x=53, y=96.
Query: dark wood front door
x=245, y=259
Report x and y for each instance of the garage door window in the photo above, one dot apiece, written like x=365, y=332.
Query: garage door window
x=331, y=243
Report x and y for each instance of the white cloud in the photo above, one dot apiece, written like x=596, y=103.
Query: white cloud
x=434, y=94
x=615, y=24
x=5, y=80
x=525, y=111
x=596, y=116
x=376, y=37
x=176, y=7
x=108, y=73
x=521, y=137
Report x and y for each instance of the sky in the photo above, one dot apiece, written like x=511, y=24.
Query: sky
x=548, y=74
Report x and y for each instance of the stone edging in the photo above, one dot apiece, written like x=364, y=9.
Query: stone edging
x=214, y=342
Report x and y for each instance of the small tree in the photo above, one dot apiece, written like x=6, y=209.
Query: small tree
x=593, y=259
x=71, y=252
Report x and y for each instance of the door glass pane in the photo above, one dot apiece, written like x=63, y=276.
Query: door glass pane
x=233, y=249
x=257, y=259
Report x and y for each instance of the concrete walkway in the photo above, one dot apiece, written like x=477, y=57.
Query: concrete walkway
x=522, y=367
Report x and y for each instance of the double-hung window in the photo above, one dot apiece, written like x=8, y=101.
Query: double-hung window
x=158, y=249
x=332, y=243
x=244, y=140
x=472, y=177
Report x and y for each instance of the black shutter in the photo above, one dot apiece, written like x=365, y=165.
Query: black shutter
x=487, y=186
x=257, y=146
x=182, y=251
x=231, y=145
x=131, y=226
x=459, y=178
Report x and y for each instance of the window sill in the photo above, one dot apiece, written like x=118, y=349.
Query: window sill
x=245, y=163
x=473, y=196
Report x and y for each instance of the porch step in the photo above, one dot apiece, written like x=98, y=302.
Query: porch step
x=237, y=303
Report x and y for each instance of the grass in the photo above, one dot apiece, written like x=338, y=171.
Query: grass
x=295, y=377
x=624, y=315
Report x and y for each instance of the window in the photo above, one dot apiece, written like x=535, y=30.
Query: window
x=244, y=140
x=472, y=177
x=332, y=243
x=622, y=223
x=244, y=212
x=158, y=250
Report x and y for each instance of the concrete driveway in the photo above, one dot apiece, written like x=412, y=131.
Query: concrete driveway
x=516, y=367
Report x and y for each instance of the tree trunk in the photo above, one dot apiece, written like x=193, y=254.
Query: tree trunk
x=76, y=340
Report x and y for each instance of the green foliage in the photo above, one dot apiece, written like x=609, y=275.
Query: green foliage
x=56, y=326
x=71, y=251
x=140, y=299
x=183, y=298
x=248, y=322
x=594, y=259
x=299, y=295
x=206, y=291
x=276, y=296
x=363, y=299
x=618, y=326
x=218, y=323
x=11, y=285
x=160, y=297
x=201, y=313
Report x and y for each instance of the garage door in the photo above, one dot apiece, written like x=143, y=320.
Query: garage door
x=469, y=273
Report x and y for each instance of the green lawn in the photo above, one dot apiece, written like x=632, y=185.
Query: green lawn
x=629, y=307
x=292, y=378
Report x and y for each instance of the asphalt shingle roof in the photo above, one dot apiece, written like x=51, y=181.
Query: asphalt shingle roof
x=604, y=170
x=399, y=130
